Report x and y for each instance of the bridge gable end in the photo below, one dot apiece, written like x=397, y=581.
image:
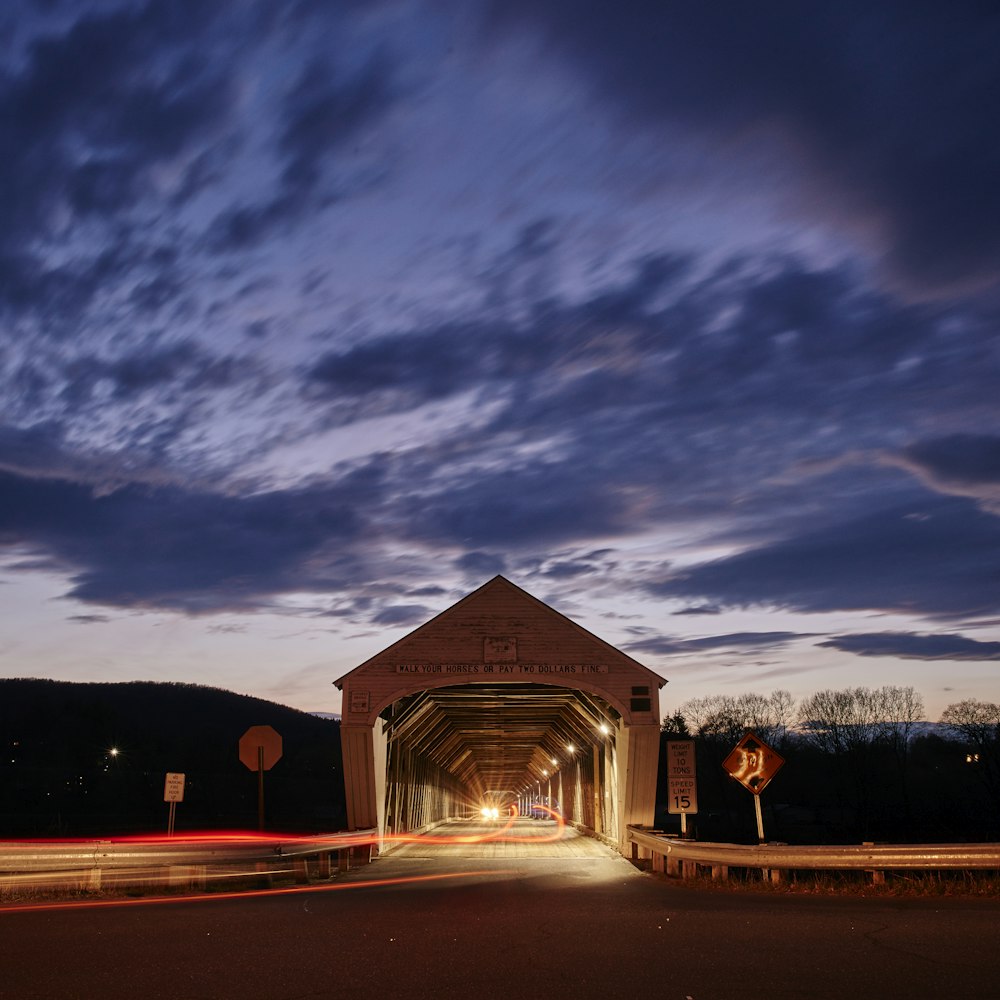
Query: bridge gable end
x=499, y=633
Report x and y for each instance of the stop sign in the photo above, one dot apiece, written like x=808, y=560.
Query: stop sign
x=267, y=739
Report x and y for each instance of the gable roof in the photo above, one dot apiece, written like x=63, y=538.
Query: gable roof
x=501, y=588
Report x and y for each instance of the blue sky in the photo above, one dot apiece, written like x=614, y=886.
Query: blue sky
x=315, y=316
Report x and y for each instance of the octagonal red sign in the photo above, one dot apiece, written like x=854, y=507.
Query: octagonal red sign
x=264, y=737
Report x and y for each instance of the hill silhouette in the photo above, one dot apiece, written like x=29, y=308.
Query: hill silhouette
x=58, y=776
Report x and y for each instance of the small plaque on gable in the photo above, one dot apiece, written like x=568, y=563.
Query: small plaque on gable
x=499, y=649
x=359, y=701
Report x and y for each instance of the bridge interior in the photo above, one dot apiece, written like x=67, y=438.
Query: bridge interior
x=454, y=750
x=522, y=840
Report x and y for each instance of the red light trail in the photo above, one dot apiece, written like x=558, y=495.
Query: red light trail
x=298, y=846
x=247, y=894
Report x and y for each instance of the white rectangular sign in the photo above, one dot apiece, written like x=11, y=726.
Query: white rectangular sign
x=173, y=787
x=682, y=779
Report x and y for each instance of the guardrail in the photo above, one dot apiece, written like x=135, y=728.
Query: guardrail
x=685, y=857
x=176, y=862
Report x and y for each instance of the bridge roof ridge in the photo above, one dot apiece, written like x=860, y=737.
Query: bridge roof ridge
x=494, y=583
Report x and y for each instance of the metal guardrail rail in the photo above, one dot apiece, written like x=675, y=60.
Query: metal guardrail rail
x=157, y=862
x=31, y=856
x=779, y=857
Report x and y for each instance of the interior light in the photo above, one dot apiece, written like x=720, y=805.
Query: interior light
x=605, y=729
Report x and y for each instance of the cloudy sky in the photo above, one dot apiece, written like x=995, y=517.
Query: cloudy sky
x=314, y=316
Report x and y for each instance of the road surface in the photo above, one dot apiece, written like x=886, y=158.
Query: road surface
x=567, y=927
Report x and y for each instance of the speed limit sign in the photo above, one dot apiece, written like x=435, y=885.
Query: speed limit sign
x=682, y=781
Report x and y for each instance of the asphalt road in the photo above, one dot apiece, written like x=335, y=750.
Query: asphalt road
x=567, y=928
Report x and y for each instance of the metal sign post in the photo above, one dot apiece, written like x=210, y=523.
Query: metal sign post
x=260, y=750
x=260, y=788
x=753, y=764
x=173, y=792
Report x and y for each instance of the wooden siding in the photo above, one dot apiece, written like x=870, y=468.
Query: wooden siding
x=545, y=640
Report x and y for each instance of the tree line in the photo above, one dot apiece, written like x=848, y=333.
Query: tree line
x=83, y=759
x=862, y=763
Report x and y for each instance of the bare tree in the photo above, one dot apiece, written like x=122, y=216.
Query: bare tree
x=726, y=717
x=839, y=721
x=856, y=726
x=768, y=716
x=977, y=724
x=703, y=715
x=903, y=708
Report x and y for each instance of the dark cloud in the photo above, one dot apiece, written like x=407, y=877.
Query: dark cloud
x=664, y=397
x=964, y=458
x=100, y=186
x=669, y=646
x=481, y=564
x=963, y=464
x=322, y=112
x=661, y=645
x=433, y=590
x=752, y=403
x=402, y=615
x=180, y=549
x=762, y=336
x=538, y=504
x=59, y=292
x=745, y=639
x=246, y=225
x=891, y=106
x=92, y=110
x=152, y=294
x=939, y=560
x=412, y=369
x=408, y=369
x=914, y=646
x=184, y=364
x=103, y=113
x=115, y=416
x=38, y=449
x=568, y=569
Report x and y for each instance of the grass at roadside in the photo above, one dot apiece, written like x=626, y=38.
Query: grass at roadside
x=982, y=884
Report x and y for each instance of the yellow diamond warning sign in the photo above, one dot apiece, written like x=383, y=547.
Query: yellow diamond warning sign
x=753, y=763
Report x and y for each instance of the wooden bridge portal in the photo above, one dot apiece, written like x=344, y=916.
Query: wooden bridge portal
x=500, y=700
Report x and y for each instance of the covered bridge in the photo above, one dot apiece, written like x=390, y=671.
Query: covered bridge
x=500, y=700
